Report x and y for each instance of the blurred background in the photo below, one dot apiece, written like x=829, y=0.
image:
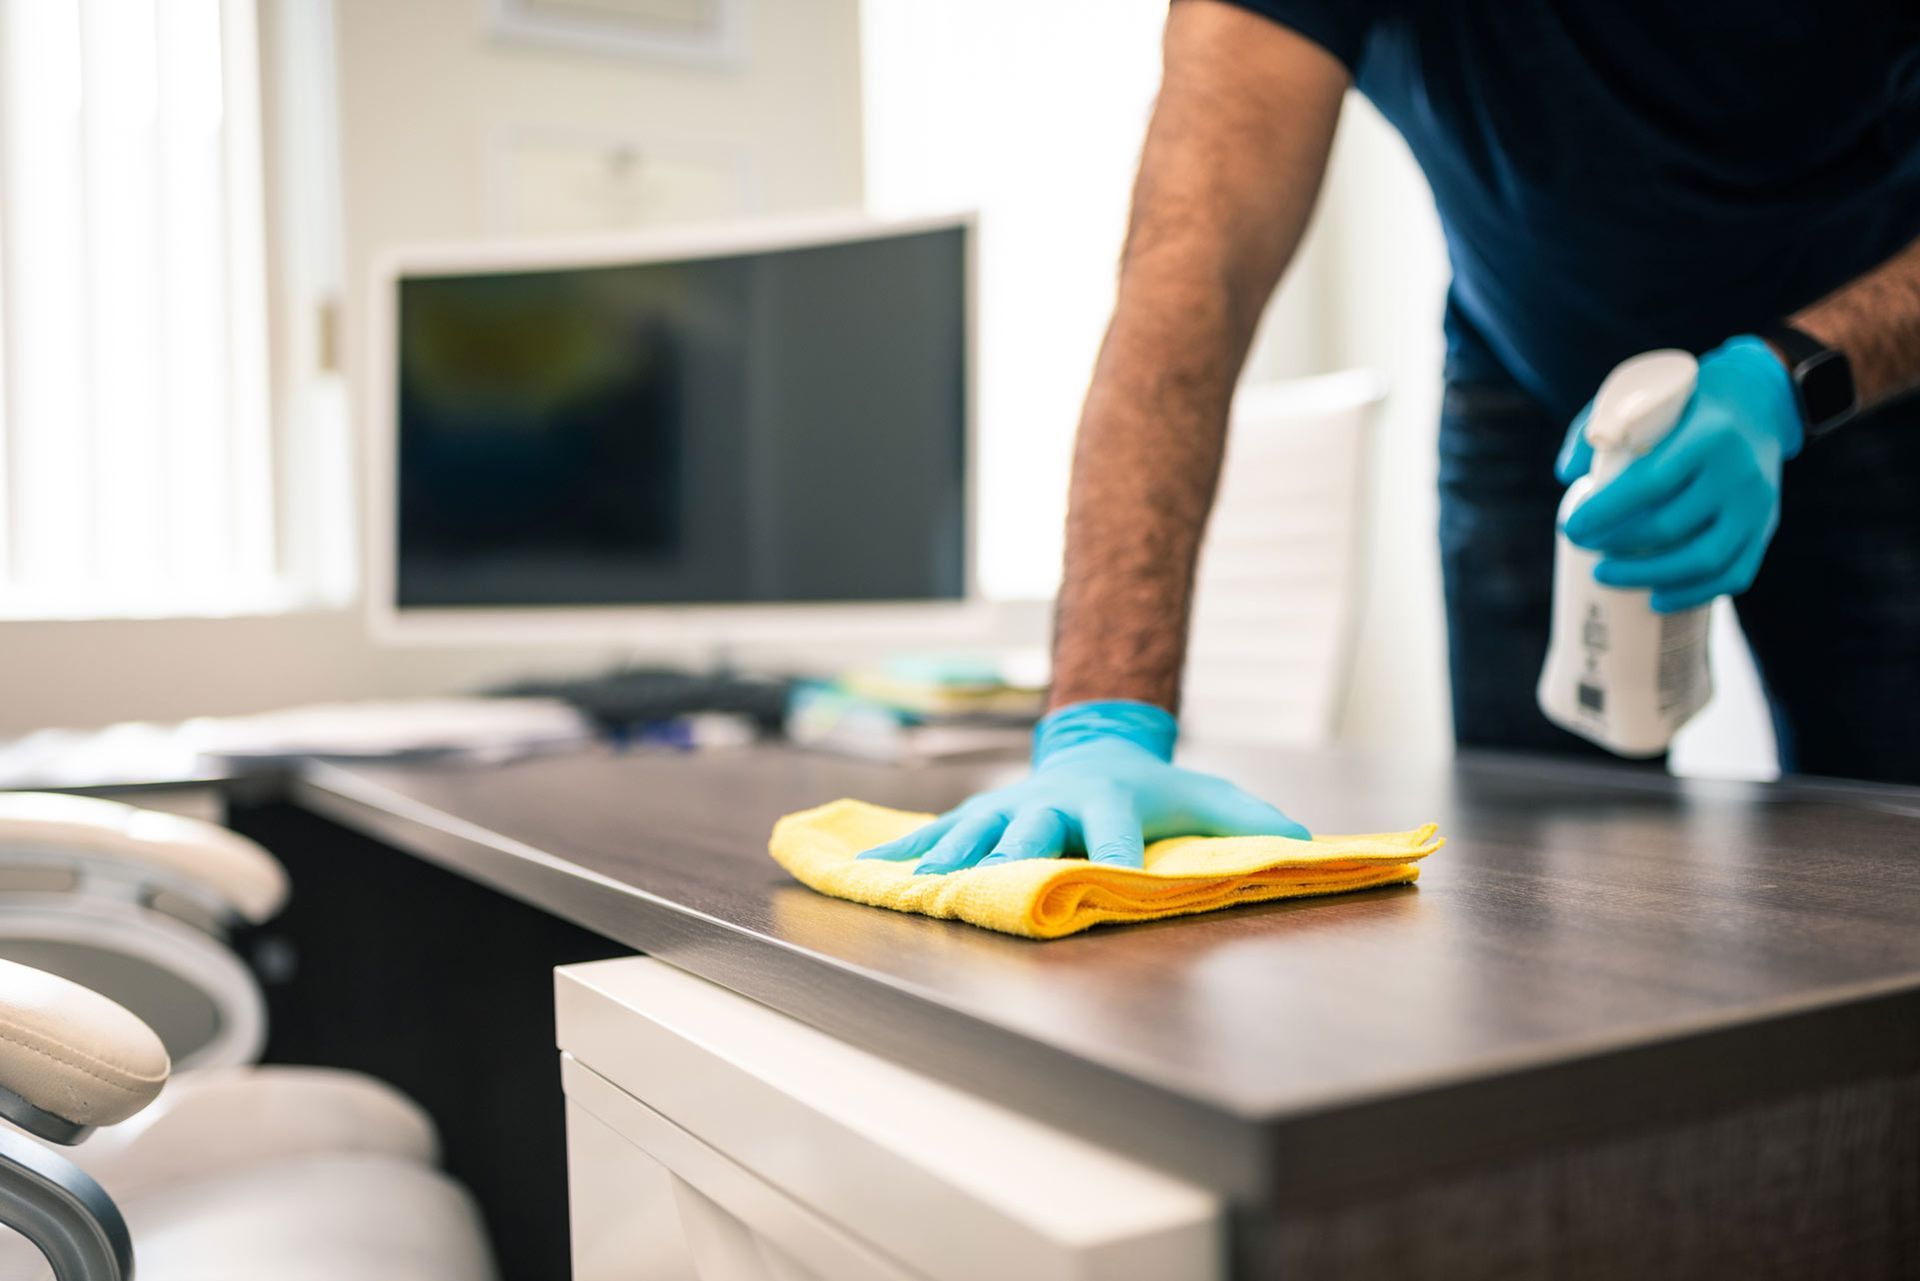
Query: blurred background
x=196, y=484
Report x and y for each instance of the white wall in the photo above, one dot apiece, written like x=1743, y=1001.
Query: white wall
x=438, y=114
x=430, y=102
x=1383, y=287
x=1031, y=113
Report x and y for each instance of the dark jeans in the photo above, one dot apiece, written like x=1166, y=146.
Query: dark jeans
x=1833, y=618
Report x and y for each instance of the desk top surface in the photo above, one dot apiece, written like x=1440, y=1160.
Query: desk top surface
x=1578, y=915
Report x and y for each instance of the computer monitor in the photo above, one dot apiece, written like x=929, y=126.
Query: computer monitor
x=677, y=430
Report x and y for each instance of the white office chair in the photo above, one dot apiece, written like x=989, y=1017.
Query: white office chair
x=71, y=1060
x=137, y=905
x=1277, y=591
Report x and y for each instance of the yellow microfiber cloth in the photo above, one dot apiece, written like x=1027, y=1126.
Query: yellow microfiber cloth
x=1045, y=898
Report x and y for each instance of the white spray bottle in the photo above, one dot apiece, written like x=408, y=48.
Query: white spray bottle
x=1616, y=672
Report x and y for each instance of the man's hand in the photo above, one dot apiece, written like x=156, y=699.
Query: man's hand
x=1102, y=784
x=1692, y=518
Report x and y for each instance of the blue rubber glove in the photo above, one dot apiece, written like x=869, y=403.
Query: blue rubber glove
x=1691, y=519
x=1102, y=784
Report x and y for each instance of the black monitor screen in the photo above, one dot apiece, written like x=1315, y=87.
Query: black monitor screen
x=779, y=426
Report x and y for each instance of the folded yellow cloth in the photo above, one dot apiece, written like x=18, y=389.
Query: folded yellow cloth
x=1046, y=898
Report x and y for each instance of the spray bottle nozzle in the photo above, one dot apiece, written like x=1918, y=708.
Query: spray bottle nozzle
x=1641, y=400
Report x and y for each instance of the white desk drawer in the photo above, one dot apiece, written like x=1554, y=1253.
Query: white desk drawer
x=621, y=1219
x=649, y=1202
x=923, y=1177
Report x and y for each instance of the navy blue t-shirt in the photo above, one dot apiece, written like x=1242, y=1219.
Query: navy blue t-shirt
x=1614, y=177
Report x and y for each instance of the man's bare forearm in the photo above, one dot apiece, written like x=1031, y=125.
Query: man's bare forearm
x=1228, y=177
x=1146, y=462
x=1875, y=320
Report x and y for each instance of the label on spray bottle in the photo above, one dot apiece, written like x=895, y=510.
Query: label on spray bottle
x=1685, y=674
x=1591, y=693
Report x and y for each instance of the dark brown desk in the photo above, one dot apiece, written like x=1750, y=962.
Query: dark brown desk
x=1622, y=1025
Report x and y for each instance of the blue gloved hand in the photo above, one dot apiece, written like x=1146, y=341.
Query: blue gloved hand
x=1102, y=784
x=1691, y=518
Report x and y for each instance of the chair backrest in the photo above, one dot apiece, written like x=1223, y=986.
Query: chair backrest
x=1277, y=593
x=200, y=997
x=135, y=903
x=232, y=875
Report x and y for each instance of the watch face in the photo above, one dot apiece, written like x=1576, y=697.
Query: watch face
x=1826, y=388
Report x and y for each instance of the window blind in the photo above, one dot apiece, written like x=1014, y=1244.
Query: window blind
x=136, y=474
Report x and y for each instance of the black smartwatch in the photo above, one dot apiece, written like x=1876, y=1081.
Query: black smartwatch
x=1822, y=378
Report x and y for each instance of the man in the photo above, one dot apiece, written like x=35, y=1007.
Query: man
x=1735, y=177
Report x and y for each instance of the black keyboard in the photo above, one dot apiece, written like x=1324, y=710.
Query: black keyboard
x=632, y=696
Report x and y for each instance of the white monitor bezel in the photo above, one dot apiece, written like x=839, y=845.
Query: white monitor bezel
x=907, y=621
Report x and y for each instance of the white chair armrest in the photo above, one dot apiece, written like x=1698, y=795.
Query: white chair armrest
x=225, y=864
x=71, y=1054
